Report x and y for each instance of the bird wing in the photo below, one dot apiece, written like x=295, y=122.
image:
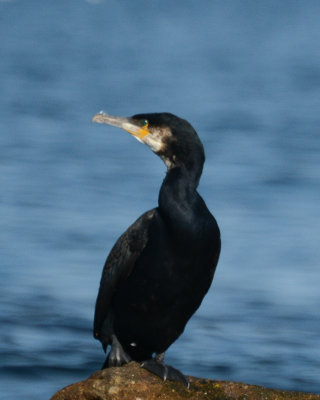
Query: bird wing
x=119, y=265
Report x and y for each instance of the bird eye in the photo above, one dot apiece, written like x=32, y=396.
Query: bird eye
x=144, y=122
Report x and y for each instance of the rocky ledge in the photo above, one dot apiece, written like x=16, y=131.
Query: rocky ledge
x=131, y=382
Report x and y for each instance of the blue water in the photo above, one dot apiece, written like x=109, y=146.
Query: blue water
x=246, y=74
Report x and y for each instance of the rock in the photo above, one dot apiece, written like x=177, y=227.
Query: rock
x=131, y=382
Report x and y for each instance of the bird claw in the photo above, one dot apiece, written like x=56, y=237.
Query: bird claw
x=117, y=356
x=165, y=372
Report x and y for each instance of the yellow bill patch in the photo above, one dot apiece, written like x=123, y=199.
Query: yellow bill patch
x=141, y=132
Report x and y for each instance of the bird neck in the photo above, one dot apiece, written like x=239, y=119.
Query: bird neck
x=178, y=195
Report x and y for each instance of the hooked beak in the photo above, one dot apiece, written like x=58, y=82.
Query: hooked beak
x=128, y=124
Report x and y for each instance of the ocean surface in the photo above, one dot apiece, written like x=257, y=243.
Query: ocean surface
x=246, y=74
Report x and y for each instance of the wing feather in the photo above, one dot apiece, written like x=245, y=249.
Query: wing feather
x=119, y=265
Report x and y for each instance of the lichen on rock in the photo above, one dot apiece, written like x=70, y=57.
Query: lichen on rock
x=131, y=382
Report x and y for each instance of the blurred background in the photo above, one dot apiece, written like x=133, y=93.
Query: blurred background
x=246, y=74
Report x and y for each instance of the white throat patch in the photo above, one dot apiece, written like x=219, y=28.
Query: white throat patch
x=157, y=138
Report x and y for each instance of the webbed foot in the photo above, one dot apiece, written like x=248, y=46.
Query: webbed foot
x=159, y=368
x=117, y=355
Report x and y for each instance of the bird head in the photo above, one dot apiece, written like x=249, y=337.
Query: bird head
x=170, y=137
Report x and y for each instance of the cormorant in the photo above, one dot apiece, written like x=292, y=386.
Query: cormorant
x=159, y=270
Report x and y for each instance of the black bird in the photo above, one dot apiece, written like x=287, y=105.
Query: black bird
x=159, y=270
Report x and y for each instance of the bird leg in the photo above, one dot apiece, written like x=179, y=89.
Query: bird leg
x=117, y=356
x=157, y=366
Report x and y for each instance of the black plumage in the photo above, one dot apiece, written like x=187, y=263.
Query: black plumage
x=159, y=270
